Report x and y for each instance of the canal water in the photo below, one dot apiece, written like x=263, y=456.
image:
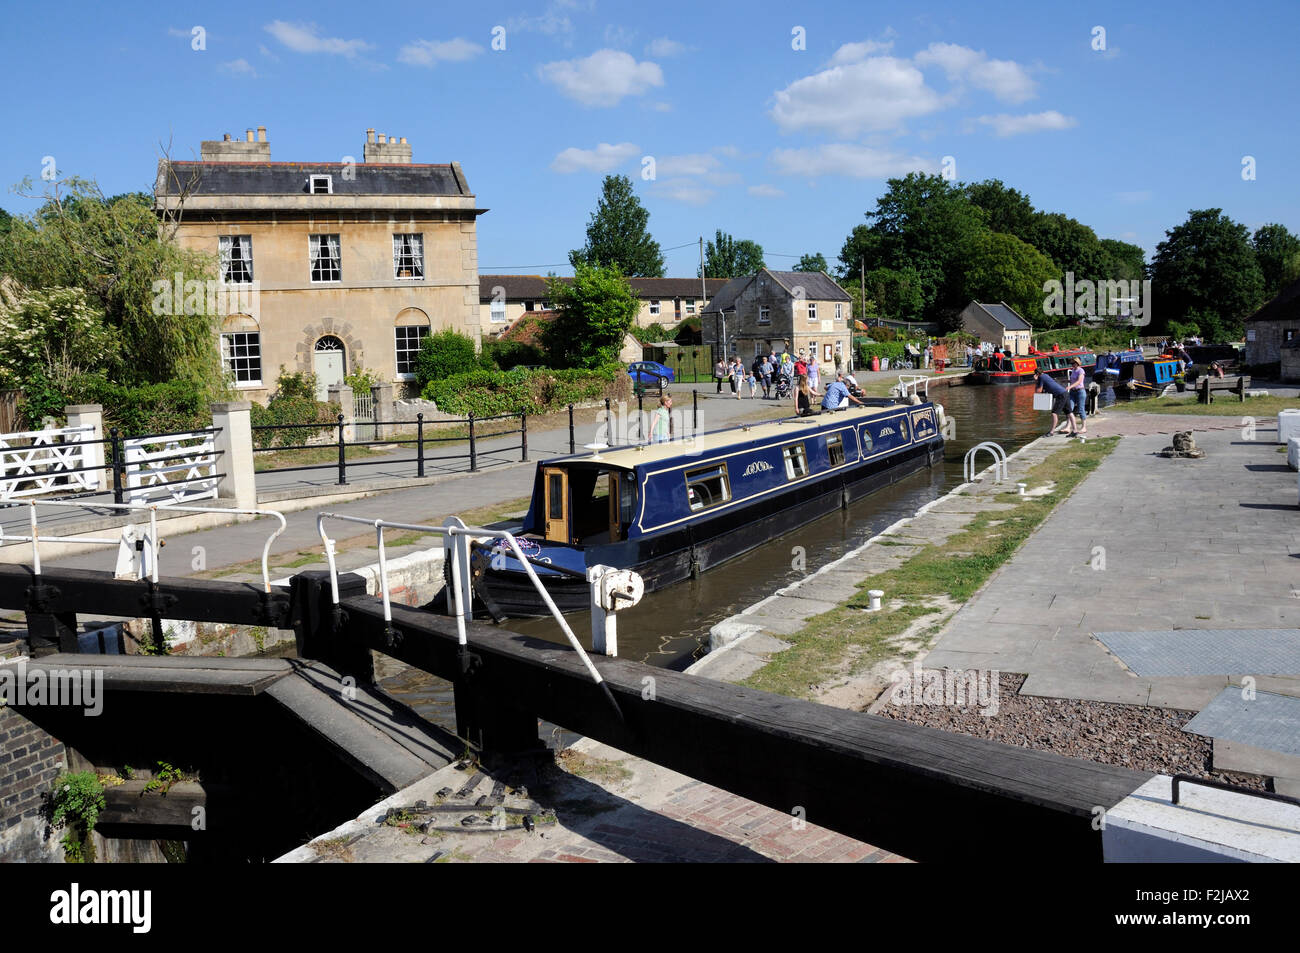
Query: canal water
x=670, y=628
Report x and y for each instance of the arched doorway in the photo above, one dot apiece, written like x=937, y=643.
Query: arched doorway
x=330, y=364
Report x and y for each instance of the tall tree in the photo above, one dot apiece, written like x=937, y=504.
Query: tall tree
x=814, y=262
x=1003, y=268
x=1005, y=209
x=1206, y=267
x=1275, y=247
x=596, y=308
x=1126, y=262
x=725, y=257
x=1071, y=244
x=617, y=233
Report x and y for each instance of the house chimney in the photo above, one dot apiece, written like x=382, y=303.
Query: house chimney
x=261, y=134
x=227, y=139
x=249, y=133
x=370, y=135
x=382, y=138
x=229, y=149
x=388, y=149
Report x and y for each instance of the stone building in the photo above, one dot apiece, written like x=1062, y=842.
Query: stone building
x=1273, y=332
x=775, y=310
x=503, y=299
x=328, y=267
x=999, y=324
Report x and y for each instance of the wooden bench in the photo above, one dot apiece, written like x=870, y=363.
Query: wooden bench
x=1206, y=386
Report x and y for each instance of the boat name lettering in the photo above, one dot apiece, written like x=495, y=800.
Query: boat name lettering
x=758, y=466
x=886, y=431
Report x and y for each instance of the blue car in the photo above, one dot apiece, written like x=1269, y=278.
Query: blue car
x=648, y=373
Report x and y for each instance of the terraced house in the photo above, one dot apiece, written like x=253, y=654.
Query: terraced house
x=667, y=301
x=776, y=310
x=347, y=264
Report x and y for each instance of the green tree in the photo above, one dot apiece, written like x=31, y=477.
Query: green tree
x=724, y=257
x=927, y=224
x=1275, y=249
x=442, y=354
x=1126, y=262
x=595, y=310
x=1207, y=267
x=1005, y=209
x=1003, y=268
x=113, y=249
x=1071, y=244
x=814, y=262
x=617, y=234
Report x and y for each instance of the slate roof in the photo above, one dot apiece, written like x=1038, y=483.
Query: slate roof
x=293, y=178
x=817, y=286
x=1284, y=307
x=1005, y=316
x=526, y=287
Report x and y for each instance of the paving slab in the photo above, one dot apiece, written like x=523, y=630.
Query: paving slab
x=1260, y=719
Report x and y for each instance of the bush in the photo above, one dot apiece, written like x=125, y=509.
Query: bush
x=172, y=407
x=503, y=355
x=294, y=402
x=894, y=350
x=489, y=393
x=444, y=354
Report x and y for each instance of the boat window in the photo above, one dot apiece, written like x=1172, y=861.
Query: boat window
x=902, y=427
x=557, y=496
x=796, y=461
x=707, y=487
x=866, y=440
x=626, y=500
x=835, y=450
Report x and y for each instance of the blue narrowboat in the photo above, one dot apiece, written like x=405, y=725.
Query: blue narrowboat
x=1143, y=378
x=672, y=510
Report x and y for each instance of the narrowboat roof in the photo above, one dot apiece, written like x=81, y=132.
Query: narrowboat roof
x=630, y=458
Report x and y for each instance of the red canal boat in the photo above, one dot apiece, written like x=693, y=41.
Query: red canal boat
x=998, y=368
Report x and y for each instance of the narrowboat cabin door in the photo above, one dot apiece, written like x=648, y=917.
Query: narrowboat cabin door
x=557, y=505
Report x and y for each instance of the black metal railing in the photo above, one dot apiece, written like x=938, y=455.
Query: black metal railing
x=420, y=441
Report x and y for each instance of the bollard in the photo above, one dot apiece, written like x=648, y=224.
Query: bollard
x=419, y=445
x=1021, y=488
x=343, y=464
x=695, y=406
x=640, y=419
x=572, y=445
x=523, y=433
x=473, y=450
x=874, y=595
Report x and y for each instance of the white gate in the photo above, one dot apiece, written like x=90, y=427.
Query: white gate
x=173, y=468
x=33, y=462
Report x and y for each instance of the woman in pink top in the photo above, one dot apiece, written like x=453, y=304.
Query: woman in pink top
x=1076, y=390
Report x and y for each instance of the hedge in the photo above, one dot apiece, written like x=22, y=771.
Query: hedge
x=489, y=393
x=894, y=350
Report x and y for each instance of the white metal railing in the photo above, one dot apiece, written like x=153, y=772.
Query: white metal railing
x=457, y=536
x=154, y=543
x=999, y=461
x=909, y=384
x=41, y=466
x=149, y=473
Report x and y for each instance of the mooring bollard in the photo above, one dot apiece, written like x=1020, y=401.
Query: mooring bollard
x=1021, y=488
x=874, y=596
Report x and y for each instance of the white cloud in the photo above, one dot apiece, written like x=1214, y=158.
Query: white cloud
x=551, y=21
x=1004, y=125
x=431, y=52
x=729, y=151
x=618, y=35
x=875, y=94
x=696, y=164
x=187, y=33
x=849, y=159
x=765, y=191
x=686, y=191
x=261, y=48
x=856, y=52
x=304, y=38
x=602, y=79
x=239, y=67
x=603, y=158
x=1005, y=79
x=664, y=47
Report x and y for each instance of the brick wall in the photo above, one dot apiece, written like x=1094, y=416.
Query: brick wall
x=30, y=759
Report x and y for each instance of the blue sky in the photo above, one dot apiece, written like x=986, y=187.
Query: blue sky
x=788, y=147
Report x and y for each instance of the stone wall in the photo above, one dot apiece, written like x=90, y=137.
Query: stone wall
x=30, y=759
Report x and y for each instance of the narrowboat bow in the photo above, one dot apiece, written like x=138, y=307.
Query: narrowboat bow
x=672, y=510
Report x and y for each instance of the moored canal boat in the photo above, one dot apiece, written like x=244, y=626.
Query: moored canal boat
x=997, y=368
x=672, y=510
x=1147, y=378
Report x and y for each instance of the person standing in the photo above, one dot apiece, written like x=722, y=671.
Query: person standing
x=1078, y=395
x=1044, y=384
x=720, y=372
x=737, y=376
x=662, y=430
x=766, y=371
x=814, y=376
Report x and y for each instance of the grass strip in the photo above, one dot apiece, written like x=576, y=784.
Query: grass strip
x=1225, y=405
x=954, y=570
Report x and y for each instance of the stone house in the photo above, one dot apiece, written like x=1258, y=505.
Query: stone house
x=776, y=310
x=327, y=267
x=503, y=299
x=999, y=324
x=1274, y=330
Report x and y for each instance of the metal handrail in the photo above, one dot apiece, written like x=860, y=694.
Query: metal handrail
x=451, y=531
x=35, y=538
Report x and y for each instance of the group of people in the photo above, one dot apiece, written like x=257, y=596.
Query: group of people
x=769, y=372
x=1068, y=407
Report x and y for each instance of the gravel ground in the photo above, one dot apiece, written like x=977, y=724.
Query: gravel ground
x=1145, y=739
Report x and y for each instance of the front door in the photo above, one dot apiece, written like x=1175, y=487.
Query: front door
x=557, y=505
x=328, y=363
